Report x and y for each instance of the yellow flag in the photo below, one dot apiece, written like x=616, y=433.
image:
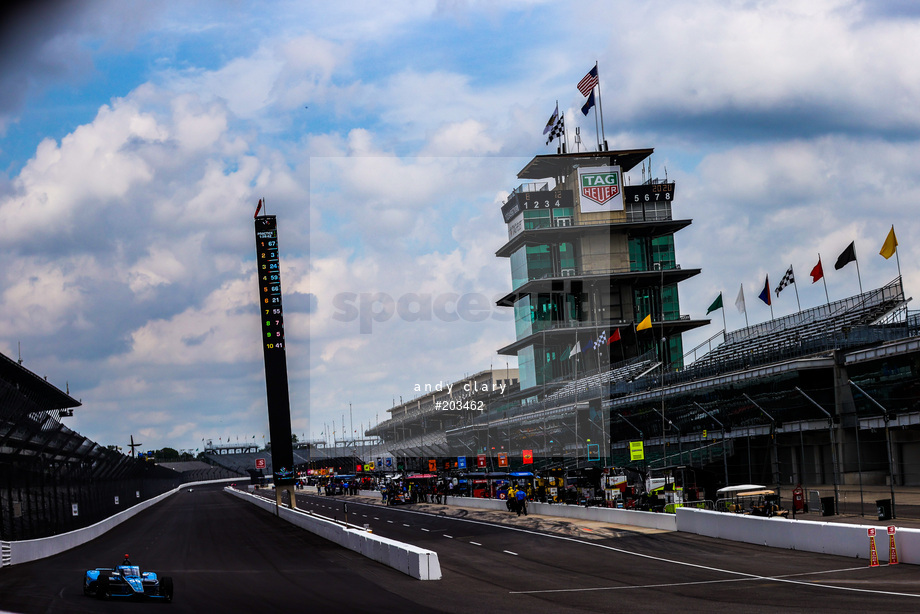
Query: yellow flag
x=891, y=245
x=646, y=323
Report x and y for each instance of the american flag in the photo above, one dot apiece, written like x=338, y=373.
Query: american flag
x=557, y=130
x=601, y=341
x=787, y=279
x=588, y=82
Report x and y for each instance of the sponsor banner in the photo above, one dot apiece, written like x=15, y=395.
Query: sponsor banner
x=636, y=451
x=600, y=189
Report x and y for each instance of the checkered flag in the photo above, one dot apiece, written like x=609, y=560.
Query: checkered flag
x=787, y=279
x=601, y=341
x=558, y=129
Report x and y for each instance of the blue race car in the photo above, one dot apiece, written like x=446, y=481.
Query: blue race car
x=126, y=580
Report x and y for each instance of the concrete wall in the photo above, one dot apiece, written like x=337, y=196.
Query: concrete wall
x=32, y=549
x=840, y=539
x=417, y=562
x=649, y=520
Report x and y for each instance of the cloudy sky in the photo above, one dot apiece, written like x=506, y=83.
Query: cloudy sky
x=136, y=138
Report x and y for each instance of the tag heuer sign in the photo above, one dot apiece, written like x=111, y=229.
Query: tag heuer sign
x=600, y=189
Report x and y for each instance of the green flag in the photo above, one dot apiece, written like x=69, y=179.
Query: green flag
x=565, y=354
x=716, y=304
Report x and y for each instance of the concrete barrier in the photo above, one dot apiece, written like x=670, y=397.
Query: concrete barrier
x=477, y=503
x=17, y=552
x=649, y=520
x=850, y=540
x=417, y=562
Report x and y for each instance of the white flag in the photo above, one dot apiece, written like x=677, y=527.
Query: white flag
x=739, y=302
x=575, y=350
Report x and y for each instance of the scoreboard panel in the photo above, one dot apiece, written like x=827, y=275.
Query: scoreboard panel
x=269, y=268
x=649, y=193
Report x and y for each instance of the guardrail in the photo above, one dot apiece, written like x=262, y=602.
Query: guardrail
x=16, y=552
x=417, y=562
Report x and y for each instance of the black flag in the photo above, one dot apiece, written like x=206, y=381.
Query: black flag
x=848, y=256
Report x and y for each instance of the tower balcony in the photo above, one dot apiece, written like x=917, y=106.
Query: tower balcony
x=574, y=282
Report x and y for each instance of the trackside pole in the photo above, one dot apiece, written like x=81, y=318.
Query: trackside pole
x=873, y=552
x=892, y=547
x=279, y=490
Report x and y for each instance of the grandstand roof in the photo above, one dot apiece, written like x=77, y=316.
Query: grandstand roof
x=557, y=165
x=36, y=389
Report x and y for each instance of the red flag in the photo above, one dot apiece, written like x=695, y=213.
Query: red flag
x=528, y=457
x=259, y=208
x=614, y=336
x=817, y=272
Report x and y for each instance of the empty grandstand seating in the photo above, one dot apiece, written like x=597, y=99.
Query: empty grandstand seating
x=812, y=330
x=596, y=381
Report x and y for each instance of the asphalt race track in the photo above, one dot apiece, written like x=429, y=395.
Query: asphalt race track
x=229, y=556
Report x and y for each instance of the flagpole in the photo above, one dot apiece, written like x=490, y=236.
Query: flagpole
x=898, y=260
x=901, y=279
x=724, y=325
x=824, y=279
x=597, y=131
x=796, y=289
x=601, y=107
x=747, y=324
x=565, y=135
x=859, y=277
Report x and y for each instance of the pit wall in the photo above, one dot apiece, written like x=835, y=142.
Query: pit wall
x=648, y=520
x=823, y=537
x=16, y=552
x=850, y=540
x=417, y=562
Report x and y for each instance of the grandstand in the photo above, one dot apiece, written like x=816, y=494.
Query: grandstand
x=778, y=395
x=626, y=371
x=844, y=323
x=244, y=463
x=198, y=471
x=52, y=479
